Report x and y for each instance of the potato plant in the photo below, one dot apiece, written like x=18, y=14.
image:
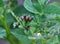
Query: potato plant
x=34, y=22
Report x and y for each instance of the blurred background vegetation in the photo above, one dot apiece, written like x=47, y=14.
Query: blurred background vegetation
x=45, y=29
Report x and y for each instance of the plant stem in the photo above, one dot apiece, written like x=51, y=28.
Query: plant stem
x=7, y=31
x=12, y=13
x=6, y=27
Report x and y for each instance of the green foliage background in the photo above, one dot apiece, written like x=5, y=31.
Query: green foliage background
x=46, y=21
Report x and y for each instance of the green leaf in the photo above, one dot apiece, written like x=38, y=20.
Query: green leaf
x=51, y=16
x=21, y=37
x=38, y=7
x=59, y=38
x=1, y=3
x=20, y=10
x=2, y=32
x=1, y=10
x=53, y=40
x=32, y=29
x=55, y=3
x=1, y=18
x=54, y=29
x=29, y=6
x=52, y=9
x=18, y=31
x=43, y=2
x=10, y=19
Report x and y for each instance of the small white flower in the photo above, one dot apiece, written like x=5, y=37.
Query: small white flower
x=38, y=34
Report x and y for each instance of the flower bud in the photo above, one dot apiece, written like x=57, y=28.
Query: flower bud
x=27, y=18
x=22, y=17
x=30, y=18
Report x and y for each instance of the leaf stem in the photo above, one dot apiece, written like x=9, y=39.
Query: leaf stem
x=12, y=13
